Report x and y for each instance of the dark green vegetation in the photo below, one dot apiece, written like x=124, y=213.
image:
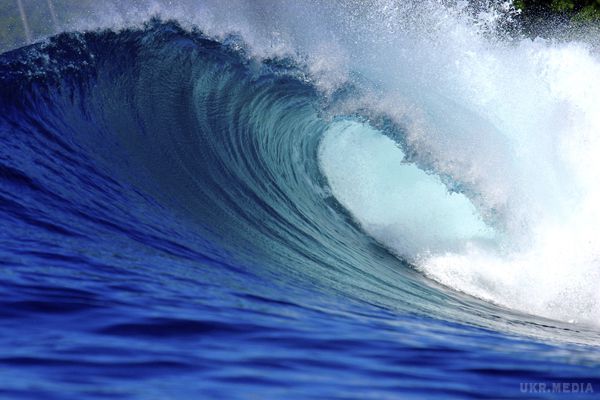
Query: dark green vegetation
x=575, y=10
x=579, y=9
x=559, y=18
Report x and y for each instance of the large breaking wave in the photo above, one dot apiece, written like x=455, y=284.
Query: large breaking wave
x=371, y=156
x=471, y=158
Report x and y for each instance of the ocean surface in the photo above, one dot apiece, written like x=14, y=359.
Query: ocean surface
x=325, y=200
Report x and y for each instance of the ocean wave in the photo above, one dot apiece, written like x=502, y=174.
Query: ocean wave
x=198, y=173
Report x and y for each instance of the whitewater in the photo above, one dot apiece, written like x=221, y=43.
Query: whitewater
x=509, y=124
x=378, y=199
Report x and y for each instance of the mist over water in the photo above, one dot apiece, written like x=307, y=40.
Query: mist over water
x=512, y=127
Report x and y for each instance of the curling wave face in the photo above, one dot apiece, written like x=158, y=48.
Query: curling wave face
x=250, y=154
x=510, y=125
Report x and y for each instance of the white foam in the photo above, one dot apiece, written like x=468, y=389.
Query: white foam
x=517, y=124
x=519, y=127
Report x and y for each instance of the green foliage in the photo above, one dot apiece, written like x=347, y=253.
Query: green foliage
x=588, y=13
x=519, y=4
x=577, y=11
x=562, y=5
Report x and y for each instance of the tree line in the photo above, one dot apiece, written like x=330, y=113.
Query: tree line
x=578, y=9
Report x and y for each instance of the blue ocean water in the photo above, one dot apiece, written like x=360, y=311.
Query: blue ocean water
x=167, y=232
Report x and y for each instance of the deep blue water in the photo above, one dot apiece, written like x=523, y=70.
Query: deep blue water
x=166, y=233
